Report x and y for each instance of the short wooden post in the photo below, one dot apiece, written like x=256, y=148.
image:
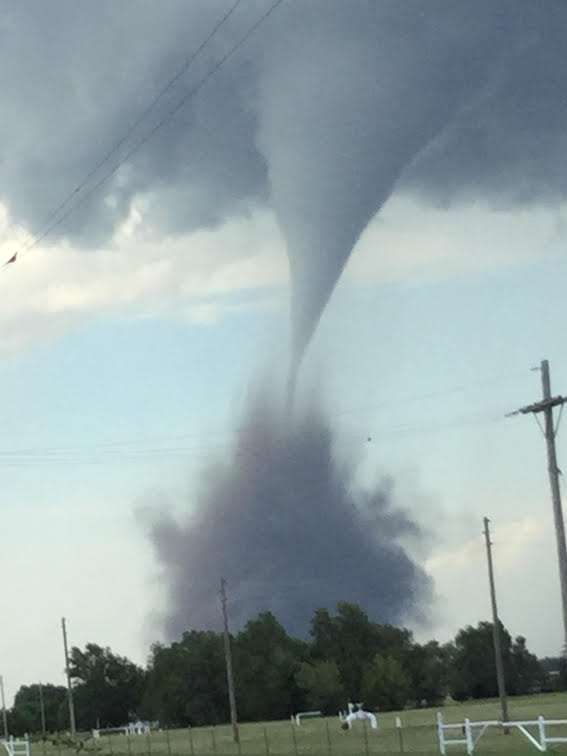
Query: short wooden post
x=365, y=729
x=329, y=744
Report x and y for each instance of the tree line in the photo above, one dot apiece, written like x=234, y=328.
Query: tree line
x=348, y=657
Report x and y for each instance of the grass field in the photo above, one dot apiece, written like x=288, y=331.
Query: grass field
x=324, y=736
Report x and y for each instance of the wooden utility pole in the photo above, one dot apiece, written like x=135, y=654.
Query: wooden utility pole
x=69, y=686
x=42, y=709
x=228, y=658
x=4, y=714
x=550, y=431
x=496, y=627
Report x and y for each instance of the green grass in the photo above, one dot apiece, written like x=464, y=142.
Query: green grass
x=324, y=736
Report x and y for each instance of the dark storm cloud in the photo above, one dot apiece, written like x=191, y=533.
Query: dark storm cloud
x=324, y=111
x=282, y=520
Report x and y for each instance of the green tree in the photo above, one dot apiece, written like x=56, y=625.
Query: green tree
x=386, y=685
x=550, y=663
x=357, y=645
x=321, y=682
x=527, y=674
x=553, y=673
x=429, y=670
x=266, y=662
x=325, y=643
x=108, y=688
x=352, y=640
x=187, y=681
x=22, y=719
x=27, y=708
x=473, y=666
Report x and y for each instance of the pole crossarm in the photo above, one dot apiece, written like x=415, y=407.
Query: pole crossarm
x=545, y=404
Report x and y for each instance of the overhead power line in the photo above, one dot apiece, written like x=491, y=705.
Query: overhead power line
x=212, y=441
x=117, y=454
x=55, y=219
x=131, y=129
x=175, y=438
x=203, y=443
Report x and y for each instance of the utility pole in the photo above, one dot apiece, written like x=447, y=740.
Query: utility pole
x=496, y=627
x=550, y=431
x=69, y=686
x=42, y=709
x=4, y=714
x=228, y=659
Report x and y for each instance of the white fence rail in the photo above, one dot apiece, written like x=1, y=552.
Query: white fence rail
x=304, y=715
x=111, y=731
x=132, y=728
x=542, y=724
x=473, y=731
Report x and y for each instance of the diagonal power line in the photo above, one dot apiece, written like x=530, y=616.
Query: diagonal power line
x=114, y=149
x=55, y=218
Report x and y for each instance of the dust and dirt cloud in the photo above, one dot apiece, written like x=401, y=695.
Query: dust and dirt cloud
x=281, y=517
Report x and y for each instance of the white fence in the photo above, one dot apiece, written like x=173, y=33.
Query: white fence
x=304, y=715
x=132, y=728
x=473, y=731
x=111, y=731
x=465, y=729
x=16, y=746
x=542, y=724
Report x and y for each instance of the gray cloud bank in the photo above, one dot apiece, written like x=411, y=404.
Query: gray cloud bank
x=282, y=519
x=326, y=109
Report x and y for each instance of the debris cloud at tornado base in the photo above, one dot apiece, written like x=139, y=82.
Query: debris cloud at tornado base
x=282, y=518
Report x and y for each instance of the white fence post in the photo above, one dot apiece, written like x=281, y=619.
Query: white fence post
x=542, y=738
x=468, y=736
x=16, y=746
x=441, y=733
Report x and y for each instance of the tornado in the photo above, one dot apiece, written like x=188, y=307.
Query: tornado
x=346, y=110
x=319, y=115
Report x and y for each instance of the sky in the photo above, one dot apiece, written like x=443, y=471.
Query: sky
x=320, y=200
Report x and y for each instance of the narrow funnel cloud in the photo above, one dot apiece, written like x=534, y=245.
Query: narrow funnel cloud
x=354, y=117
x=280, y=516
